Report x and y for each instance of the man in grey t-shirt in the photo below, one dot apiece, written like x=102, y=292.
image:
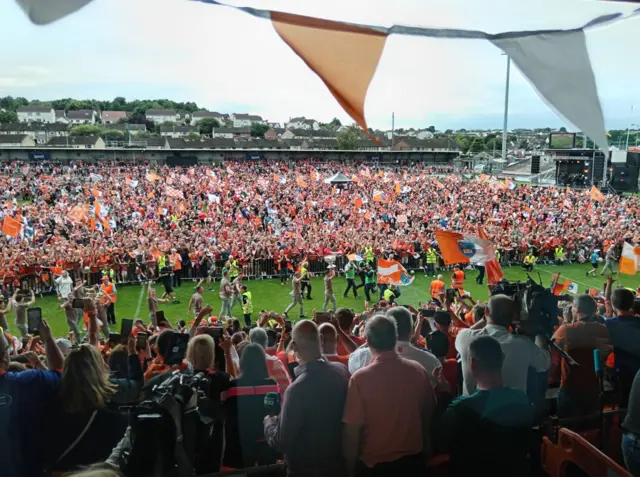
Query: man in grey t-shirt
x=329, y=296
x=72, y=316
x=226, y=293
x=610, y=260
x=296, y=294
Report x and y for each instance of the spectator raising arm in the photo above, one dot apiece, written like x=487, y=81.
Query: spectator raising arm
x=55, y=359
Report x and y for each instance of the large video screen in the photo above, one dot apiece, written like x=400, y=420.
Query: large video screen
x=562, y=140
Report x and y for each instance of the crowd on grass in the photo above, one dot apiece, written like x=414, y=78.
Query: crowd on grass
x=381, y=393
x=376, y=394
x=129, y=221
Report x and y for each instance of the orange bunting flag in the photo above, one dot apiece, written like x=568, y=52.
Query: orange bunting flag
x=326, y=46
x=11, y=227
x=380, y=173
x=276, y=178
x=358, y=203
x=596, y=194
x=300, y=181
x=97, y=208
x=398, y=188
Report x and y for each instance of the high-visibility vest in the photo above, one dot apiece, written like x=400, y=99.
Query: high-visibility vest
x=389, y=295
x=233, y=268
x=304, y=273
x=431, y=256
x=110, y=291
x=529, y=259
x=247, y=306
x=162, y=262
x=370, y=277
x=369, y=254
x=559, y=253
x=458, y=279
x=437, y=287
x=349, y=271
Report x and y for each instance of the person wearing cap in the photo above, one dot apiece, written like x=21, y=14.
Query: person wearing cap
x=109, y=290
x=329, y=296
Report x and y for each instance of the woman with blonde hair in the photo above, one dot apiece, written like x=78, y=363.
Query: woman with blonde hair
x=83, y=430
x=201, y=354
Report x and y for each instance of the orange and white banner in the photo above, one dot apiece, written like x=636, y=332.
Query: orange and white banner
x=391, y=272
x=630, y=259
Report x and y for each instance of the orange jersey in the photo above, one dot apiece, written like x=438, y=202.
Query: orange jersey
x=437, y=288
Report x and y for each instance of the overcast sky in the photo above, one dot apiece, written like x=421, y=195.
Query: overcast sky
x=231, y=62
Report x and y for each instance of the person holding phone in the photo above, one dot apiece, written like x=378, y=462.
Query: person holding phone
x=20, y=308
x=22, y=442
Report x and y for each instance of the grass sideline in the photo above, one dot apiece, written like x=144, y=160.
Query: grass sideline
x=270, y=295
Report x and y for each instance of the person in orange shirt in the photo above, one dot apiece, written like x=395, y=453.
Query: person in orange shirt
x=457, y=279
x=176, y=261
x=109, y=290
x=437, y=290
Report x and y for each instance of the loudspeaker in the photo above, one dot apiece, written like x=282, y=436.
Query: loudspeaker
x=633, y=159
x=535, y=164
x=624, y=178
x=182, y=161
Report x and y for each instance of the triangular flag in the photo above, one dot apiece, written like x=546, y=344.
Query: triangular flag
x=571, y=90
x=344, y=56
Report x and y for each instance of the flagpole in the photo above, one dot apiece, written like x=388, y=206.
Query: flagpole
x=506, y=111
x=393, y=130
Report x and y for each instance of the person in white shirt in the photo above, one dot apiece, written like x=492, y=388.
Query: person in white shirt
x=64, y=285
x=520, y=352
x=362, y=356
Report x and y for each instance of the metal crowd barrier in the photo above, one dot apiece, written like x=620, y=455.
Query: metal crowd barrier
x=256, y=269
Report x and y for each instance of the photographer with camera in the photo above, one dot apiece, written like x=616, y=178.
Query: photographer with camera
x=520, y=352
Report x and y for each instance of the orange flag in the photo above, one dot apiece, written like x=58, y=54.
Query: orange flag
x=380, y=173
x=276, y=178
x=11, y=227
x=301, y=182
x=327, y=47
x=596, y=194
x=358, y=203
x=97, y=208
x=398, y=188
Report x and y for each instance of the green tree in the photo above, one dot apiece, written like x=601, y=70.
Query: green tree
x=449, y=131
x=113, y=134
x=258, y=130
x=192, y=136
x=432, y=129
x=8, y=117
x=206, y=125
x=477, y=145
x=335, y=123
x=86, y=130
x=463, y=142
x=562, y=129
x=349, y=137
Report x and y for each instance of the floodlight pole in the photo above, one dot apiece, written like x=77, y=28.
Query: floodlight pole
x=506, y=111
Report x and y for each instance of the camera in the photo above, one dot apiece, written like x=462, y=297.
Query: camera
x=175, y=431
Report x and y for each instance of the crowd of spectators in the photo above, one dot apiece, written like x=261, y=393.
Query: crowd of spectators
x=130, y=222
x=374, y=394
